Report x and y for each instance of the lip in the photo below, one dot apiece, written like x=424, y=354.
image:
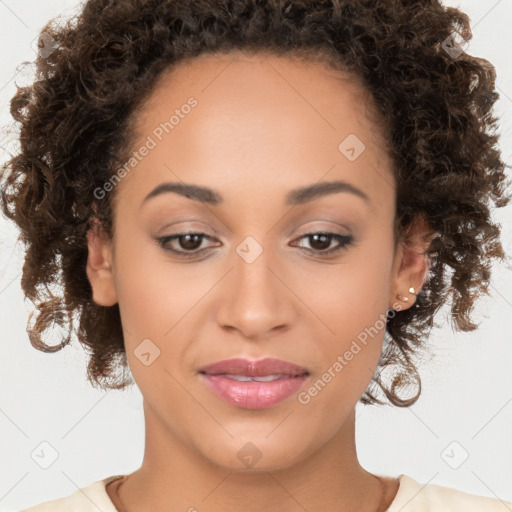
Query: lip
x=253, y=394
x=259, y=368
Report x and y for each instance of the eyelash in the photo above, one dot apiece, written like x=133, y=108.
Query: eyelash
x=345, y=241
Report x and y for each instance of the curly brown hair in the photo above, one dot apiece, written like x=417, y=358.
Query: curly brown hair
x=77, y=115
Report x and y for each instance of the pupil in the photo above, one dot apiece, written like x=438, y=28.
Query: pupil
x=323, y=245
x=193, y=245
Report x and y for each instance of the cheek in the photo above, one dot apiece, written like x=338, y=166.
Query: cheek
x=349, y=358
x=351, y=296
x=153, y=293
x=349, y=302
x=153, y=303
x=158, y=301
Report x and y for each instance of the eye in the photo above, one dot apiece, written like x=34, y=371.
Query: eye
x=322, y=240
x=191, y=242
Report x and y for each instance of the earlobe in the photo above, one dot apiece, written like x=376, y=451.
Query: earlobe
x=99, y=267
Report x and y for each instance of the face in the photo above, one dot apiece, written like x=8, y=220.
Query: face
x=254, y=282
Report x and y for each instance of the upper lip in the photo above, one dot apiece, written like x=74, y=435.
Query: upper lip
x=260, y=368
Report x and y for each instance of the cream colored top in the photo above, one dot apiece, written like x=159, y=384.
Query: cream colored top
x=411, y=497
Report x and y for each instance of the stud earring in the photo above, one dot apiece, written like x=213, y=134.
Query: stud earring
x=406, y=299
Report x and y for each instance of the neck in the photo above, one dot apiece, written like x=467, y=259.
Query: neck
x=174, y=476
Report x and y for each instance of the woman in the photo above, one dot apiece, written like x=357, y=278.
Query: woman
x=254, y=207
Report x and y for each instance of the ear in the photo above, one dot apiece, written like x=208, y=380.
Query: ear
x=99, y=266
x=411, y=264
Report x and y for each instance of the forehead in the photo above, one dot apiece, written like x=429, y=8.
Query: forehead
x=253, y=85
x=258, y=120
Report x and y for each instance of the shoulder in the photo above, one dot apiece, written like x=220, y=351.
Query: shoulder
x=413, y=496
x=91, y=498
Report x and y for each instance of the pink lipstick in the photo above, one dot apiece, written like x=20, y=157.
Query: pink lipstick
x=254, y=384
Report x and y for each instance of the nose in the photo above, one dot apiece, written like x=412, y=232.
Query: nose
x=256, y=300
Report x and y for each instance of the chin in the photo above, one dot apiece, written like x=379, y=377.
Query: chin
x=248, y=455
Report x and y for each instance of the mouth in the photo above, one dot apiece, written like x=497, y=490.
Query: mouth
x=254, y=384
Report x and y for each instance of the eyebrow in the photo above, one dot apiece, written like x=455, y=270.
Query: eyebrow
x=296, y=196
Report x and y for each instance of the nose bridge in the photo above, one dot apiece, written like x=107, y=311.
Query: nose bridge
x=253, y=277
x=255, y=302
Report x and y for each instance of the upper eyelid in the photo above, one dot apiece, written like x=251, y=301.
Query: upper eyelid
x=211, y=237
x=312, y=230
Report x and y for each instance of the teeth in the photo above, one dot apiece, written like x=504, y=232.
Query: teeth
x=245, y=378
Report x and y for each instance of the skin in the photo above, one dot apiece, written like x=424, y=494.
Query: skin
x=262, y=127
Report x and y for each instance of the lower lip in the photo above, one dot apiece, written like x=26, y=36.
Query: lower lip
x=253, y=395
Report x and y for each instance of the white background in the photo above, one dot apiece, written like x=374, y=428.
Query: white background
x=467, y=387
